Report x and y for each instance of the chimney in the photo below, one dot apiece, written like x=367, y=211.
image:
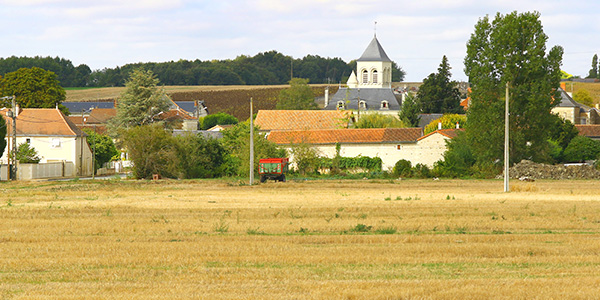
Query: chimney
x=439, y=125
x=326, y=96
x=563, y=85
x=17, y=110
x=597, y=106
x=457, y=125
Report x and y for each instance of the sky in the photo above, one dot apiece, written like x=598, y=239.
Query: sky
x=414, y=34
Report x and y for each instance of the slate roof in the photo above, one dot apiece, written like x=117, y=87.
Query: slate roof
x=567, y=101
x=591, y=131
x=301, y=119
x=346, y=136
x=371, y=96
x=43, y=122
x=427, y=118
x=374, y=52
x=86, y=106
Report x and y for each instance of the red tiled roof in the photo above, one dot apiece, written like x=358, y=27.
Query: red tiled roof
x=43, y=122
x=354, y=136
x=589, y=130
x=449, y=133
x=301, y=119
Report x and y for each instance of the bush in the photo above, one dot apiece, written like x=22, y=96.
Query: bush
x=581, y=148
x=198, y=157
x=151, y=149
x=27, y=154
x=458, y=159
x=421, y=171
x=103, y=147
x=402, y=168
x=217, y=119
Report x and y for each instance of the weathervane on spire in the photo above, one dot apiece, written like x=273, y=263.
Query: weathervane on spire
x=375, y=29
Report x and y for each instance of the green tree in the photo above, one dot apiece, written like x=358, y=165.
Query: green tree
x=583, y=96
x=511, y=49
x=377, y=120
x=594, y=70
x=298, y=96
x=151, y=149
x=582, y=148
x=103, y=147
x=26, y=154
x=217, y=119
x=306, y=158
x=439, y=94
x=236, y=141
x=198, y=157
x=448, y=122
x=34, y=88
x=562, y=131
x=410, y=112
x=140, y=103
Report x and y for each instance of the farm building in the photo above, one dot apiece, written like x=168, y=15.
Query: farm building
x=269, y=120
x=389, y=144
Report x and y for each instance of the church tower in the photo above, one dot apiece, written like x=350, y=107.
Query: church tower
x=374, y=67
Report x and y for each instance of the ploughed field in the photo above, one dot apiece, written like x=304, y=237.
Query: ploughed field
x=349, y=239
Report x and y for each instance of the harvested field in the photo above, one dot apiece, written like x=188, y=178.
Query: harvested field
x=352, y=239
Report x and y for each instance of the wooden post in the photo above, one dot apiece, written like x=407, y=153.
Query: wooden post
x=506, y=142
x=251, y=145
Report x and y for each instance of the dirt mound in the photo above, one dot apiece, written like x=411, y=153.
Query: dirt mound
x=533, y=170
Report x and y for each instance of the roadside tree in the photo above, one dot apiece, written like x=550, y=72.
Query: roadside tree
x=439, y=94
x=103, y=147
x=511, y=49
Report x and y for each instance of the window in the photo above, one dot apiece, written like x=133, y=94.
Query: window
x=398, y=147
x=28, y=141
x=583, y=121
x=384, y=105
x=365, y=77
x=362, y=104
x=374, y=76
x=341, y=105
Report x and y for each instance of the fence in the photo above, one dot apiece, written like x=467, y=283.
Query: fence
x=40, y=171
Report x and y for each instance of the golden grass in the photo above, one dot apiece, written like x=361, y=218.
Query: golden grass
x=213, y=239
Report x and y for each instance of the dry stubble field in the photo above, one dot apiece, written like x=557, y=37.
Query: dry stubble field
x=362, y=239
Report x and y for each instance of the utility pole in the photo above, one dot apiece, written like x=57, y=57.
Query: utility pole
x=251, y=145
x=358, y=111
x=12, y=162
x=93, y=154
x=506, y=156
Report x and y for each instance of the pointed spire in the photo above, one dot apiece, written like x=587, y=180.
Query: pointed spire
x=374, y=52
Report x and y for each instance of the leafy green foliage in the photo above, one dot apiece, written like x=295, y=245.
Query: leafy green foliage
x=511, y=49
x=584, y=97
x=306, y=158
x=236, y=141
x=582, y=148
x=198, y=157
x=151, y=149
x=458, y=158
x=34, y=88
x=26, y=154
x=410, y=112
x=448, y=122
x=561, y=131
x=341, y=163
x=140, y=103
x=298, y=96
x=67, y=74
x=103, y=147
x=217, y=119
x=439, y=94
x=402, y=168
x=594, y=70
x=377, y=120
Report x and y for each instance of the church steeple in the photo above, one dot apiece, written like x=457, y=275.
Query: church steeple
x=374, y=52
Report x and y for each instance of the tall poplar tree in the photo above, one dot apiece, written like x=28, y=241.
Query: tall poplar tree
x=511, y=49
x=594, y=70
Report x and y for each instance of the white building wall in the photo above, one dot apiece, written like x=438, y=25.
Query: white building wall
x=426, y=151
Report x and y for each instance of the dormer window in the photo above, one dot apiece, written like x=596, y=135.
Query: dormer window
x=362, y=104
x=385, y=105
x=374, y=76
x=365, y=76
x=341, y=105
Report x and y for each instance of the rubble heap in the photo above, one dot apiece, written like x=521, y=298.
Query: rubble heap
x=529, y=169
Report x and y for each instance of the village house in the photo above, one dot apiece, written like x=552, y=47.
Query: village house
x=389, y=144
x=575, y=112
x=62, y=147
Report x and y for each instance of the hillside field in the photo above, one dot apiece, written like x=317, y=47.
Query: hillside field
x=326, y=239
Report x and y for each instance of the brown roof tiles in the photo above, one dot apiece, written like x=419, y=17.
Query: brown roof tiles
x=332, y=136
x=301, y=119
x=43, y=122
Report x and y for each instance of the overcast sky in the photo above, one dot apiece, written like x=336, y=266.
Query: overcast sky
x=415, y=34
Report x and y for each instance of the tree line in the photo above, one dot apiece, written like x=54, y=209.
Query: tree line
x=266, y=68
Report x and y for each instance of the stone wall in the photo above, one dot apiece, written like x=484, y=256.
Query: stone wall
x=533, y=170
